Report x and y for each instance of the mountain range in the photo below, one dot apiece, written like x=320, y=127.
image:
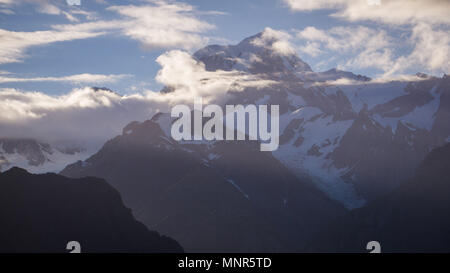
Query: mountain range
x=348, y=143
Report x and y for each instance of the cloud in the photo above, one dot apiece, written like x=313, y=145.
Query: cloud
x=163, y=25
x=42, y=6
x=309, y=5
x=51, y=7
x=346, y=81
x=73, y=2
x=48, y=8
x=423, y=45
x=189, y=78
x=431, y=50
x=15, y=43
x=157, y=24
x=397, y=12
x=425, y=48
x=94, y=116
x=83, y=115
x=74, y=79
x=275, y=40
x=366, y=47
x=347, y=38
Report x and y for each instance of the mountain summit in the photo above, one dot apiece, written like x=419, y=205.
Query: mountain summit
x=267, y=53
x=264, y=52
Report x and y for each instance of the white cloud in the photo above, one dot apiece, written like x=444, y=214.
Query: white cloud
x=73, y=2
x=346, y=81
x=88, y=116
x=74, y=79
x=385, y=11
x=311, y=48
x=425, y=49
x=82, y=115
x=70, y=17
x=42, y=6
x=51, y=7
x=423, y=44
x=431, y=51
x=162, y=25
x=277, y=41
x=48, y=8
x=368, y=48
x=157, y=24
x=15, y=43
x=190, y=79
x=309, y=5
x=347, y=38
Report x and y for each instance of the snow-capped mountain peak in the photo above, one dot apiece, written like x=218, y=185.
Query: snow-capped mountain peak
x=268, y=54
x=261, y=53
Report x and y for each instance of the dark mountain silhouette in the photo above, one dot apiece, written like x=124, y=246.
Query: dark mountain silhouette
x=414, y=218
x=216, y=196
x=42, y=213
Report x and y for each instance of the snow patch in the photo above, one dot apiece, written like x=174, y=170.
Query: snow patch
x=238, y=188
x=55, y=162
x=370, y=94
x=421, y=117
x=325, y=134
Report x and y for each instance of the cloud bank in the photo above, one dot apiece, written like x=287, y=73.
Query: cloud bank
x=93, y=116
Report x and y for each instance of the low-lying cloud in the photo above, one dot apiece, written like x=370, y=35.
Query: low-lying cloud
x=93, y=116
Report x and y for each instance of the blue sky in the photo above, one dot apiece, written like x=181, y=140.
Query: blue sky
x=115, y=43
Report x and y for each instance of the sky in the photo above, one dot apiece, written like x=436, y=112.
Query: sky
x=53, y=46
x=53, y=51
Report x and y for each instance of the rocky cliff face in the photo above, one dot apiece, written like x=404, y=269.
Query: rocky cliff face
x=414, y=218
